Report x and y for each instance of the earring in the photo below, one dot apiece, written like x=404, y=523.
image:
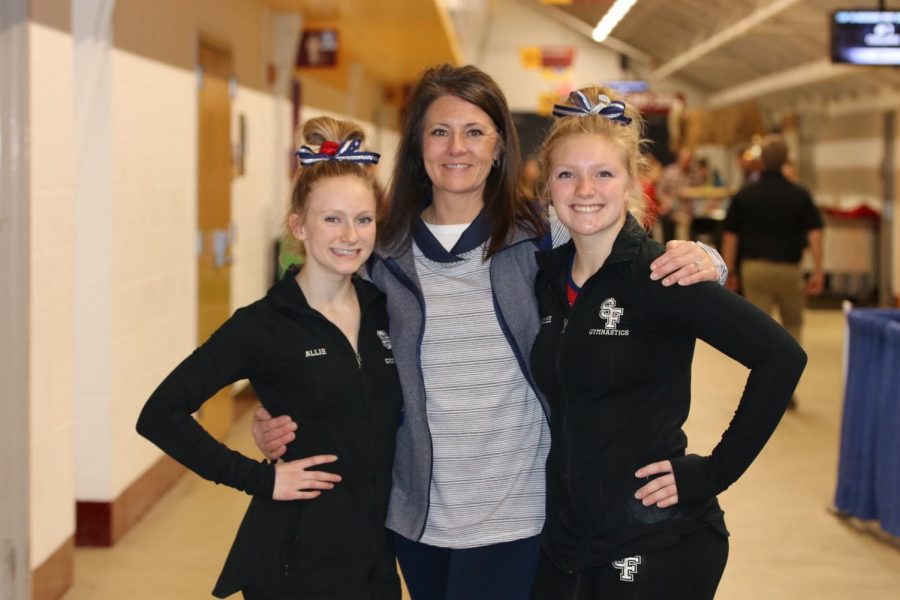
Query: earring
x=495, y=163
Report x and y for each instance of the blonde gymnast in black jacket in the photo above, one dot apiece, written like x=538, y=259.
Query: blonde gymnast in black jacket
x=629, y=516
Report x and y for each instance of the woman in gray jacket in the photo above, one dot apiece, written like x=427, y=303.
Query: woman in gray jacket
x=456, y=259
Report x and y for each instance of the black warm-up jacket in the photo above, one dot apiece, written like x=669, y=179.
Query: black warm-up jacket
x=347, y=404
x=616, y=368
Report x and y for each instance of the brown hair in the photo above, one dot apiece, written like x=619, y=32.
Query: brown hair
x=627, y=138
x=503, y=205
x=773, y=152
x=314, y=133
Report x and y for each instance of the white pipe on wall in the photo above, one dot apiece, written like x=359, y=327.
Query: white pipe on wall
x=15, y=567
x=92, y=43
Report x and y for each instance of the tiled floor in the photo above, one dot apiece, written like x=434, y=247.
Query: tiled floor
x=785, y=544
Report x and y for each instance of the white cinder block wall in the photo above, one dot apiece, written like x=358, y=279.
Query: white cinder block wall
x=154, y=263
x=153, y=298
x=153, y=123
x=259, y=196
x=149, y=323
x=51, y=327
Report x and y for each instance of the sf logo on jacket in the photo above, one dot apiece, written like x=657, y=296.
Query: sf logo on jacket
x=612, y=314
x=627, y=567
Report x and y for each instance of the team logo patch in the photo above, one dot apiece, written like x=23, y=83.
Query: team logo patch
x=612, y=314
x=627, y=567
x=385, y=339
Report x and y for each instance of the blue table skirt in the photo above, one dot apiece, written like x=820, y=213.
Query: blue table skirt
x=868, y=484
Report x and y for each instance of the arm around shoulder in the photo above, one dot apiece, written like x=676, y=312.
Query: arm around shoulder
x=687, y=263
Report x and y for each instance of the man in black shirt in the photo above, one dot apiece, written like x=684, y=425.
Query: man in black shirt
x=769, y=222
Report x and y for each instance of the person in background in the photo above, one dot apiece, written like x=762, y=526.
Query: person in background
x=769, y=222
x=630, y=516
x=528, y=175
x=748, y=162
x=706, y=175
x=649, y=176
x=315, y=348
x=789, y=170
x=673, y=208
x=701, y=173
x=456, y=260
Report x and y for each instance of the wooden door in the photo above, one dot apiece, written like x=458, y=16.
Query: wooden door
x=214, y=216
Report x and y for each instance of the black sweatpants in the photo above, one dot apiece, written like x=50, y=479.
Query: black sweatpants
x=688, y=570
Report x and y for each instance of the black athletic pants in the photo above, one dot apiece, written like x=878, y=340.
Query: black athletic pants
x=688, y=570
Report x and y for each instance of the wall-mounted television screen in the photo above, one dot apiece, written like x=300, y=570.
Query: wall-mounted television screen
x=865, y=37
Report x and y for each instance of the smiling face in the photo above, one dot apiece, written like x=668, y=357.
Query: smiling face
x=589, y=184
x=338, y=227
x=460, y=141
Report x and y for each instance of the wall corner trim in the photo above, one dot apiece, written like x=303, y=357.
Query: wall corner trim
x=104, y=523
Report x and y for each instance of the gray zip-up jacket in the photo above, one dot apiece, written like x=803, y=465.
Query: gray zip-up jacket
x=513, y=270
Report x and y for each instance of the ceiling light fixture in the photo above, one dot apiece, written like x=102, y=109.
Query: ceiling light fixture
x=612, y=17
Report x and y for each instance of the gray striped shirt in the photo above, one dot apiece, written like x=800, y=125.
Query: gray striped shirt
x=489, y=434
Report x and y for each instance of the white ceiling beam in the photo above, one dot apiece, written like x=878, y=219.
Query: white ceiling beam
x=806, y=74
x=760, y=15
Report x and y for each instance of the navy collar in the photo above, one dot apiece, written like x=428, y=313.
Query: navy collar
x=473, y=237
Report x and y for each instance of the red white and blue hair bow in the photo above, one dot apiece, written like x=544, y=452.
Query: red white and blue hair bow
x=613, y=110
x=347, y=151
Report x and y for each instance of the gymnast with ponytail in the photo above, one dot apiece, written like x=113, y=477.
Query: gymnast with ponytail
x=631, y=515
x=316, y=348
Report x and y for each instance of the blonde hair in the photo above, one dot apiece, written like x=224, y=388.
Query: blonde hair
x=627, y=138
x=314, y=133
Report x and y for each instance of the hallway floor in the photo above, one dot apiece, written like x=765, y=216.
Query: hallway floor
x=785, y=543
